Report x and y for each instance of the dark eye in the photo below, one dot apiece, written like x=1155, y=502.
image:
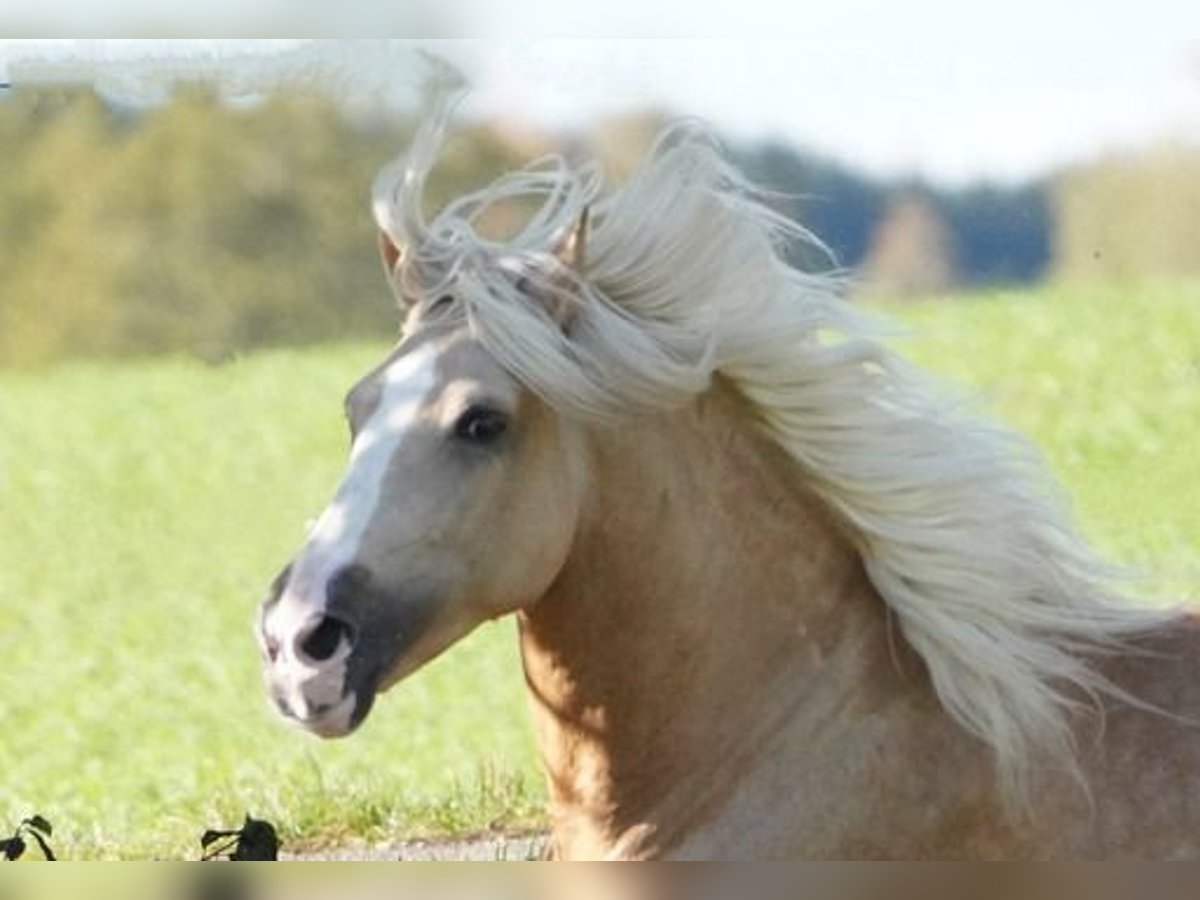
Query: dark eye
x=441, y=303
x=480, y=425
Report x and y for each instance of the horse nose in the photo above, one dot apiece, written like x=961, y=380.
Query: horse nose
x=346, y=587
x=323, y=638
x=327, y=631
x=326, y=634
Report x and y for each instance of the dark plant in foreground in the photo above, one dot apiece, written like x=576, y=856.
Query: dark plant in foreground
x=255, y=841
x=35, y=827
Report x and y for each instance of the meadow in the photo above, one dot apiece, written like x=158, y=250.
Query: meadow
x=145, y=506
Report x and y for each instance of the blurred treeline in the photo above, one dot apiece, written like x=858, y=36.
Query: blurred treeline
x=209, y=229
x=1123, y=219
x=195, y=227
x=1132, y=217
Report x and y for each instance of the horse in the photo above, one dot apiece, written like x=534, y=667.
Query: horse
x=779, y=593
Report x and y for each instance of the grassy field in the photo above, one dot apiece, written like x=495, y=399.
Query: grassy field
x=1107, y=383
x=144, y=508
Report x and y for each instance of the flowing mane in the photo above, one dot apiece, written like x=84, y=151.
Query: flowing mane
x=959, y=528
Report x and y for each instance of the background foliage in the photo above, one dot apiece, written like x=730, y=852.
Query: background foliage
x=1131, y=218
x=212, y=229
x=194, y=227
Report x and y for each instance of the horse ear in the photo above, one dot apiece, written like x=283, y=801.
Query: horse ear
x=572, y=249
x=391, y=253
x=392, y=256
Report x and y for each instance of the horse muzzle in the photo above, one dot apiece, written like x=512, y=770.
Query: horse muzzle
x=309, y=666
x=312, y=711
x=329, y=698
x=330, y=645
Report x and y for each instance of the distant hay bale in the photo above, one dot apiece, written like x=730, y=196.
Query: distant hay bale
x=912, y=252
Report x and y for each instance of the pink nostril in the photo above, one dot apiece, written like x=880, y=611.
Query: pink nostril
x=322, y=642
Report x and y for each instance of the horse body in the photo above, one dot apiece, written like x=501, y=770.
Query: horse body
x=732, y=689
x=777, y=596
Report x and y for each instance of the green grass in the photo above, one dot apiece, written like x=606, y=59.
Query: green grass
x=1107, y=383
x=144, y=508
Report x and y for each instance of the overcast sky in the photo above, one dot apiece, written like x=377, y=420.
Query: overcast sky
x=972, y=109
x=997, y=100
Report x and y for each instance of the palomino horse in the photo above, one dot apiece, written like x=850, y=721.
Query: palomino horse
x=777, y=596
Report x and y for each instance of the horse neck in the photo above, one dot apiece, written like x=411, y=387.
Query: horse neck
x=706, y=590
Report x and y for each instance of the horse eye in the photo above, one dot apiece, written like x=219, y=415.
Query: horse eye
x=480, y=425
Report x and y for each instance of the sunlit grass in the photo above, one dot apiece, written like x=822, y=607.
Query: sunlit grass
x=1107, y=382
x=144, y=508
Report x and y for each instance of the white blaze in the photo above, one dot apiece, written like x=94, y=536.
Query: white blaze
x=336, y=536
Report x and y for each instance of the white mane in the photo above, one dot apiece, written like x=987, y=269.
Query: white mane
x=957, y=524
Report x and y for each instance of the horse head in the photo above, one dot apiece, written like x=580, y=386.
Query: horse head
x=457, y=505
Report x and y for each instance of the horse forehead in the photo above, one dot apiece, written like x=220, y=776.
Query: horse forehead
x=371, y=392
x=447, y=366
x=464, y=360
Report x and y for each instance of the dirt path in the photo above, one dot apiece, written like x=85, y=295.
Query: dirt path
x=483, y=848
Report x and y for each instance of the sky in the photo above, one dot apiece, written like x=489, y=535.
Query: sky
x=980, y=109
x=992, y=101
